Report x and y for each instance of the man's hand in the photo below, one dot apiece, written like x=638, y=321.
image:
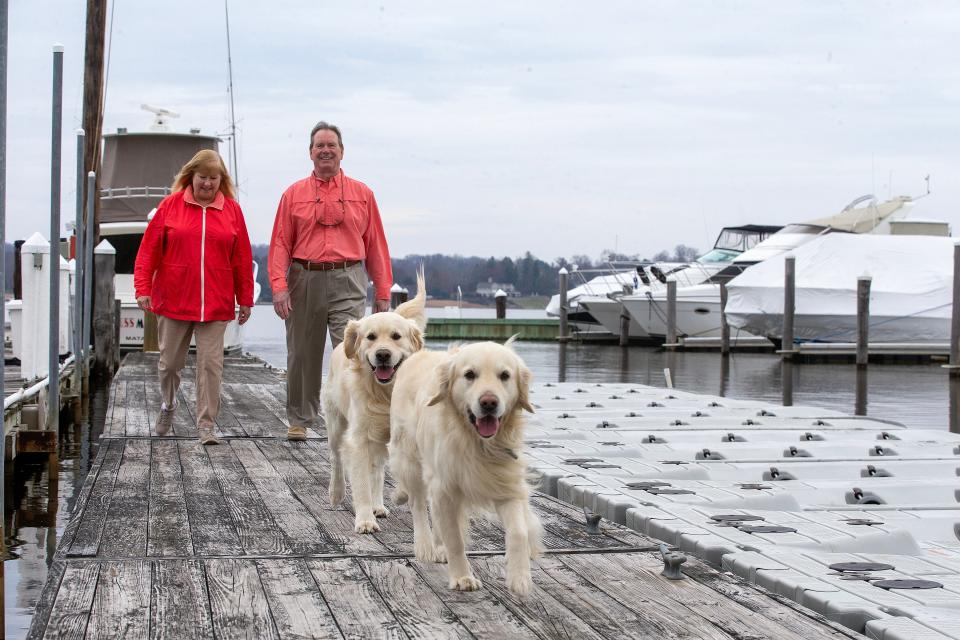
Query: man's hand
x=244, y=315
x=281, y=304
x=144, y=303
x=381, y=305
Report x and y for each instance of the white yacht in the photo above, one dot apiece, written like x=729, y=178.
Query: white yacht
x=698, y=307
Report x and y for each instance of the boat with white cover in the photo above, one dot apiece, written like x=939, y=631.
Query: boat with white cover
x=910, y=295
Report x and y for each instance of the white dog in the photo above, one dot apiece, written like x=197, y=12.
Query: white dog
x=456, y=438
x=356, y=402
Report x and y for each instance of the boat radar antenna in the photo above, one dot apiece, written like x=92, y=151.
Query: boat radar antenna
x=162, y=116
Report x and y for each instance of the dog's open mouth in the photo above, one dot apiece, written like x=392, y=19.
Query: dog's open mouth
x=486, y=425
x=384, y=373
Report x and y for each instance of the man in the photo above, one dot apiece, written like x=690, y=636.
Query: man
x=326, y=225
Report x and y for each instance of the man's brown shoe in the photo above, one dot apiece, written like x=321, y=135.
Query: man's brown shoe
x=296, y=433
x=164, y=421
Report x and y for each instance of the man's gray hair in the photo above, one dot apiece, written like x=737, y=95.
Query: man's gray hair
x=322, y=125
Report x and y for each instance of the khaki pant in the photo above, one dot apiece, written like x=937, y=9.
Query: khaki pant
x=322, y=301
x=174, y=338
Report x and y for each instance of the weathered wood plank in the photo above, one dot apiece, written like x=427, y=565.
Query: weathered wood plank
x=683, y=607
x=483, y=615
x=179, y=603
x=304, y=534
x=256, y=528
x=254, y=418
x=568, y=523
x=41, y=614
x=358, y=608
x=238, y=605
x=71, y=609
x=121, y=606
x=83, y=498
x=296, y=604
x=212, y=529
x=421, y=613
x=270, y=401
x=310, y=488
x=539, y=612
x=125, y=530
x=137, y=420
x=109, y=424
x=93, y=516
x=184, y=424
x=168, y=529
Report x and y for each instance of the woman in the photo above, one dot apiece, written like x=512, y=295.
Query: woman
x=194, y=263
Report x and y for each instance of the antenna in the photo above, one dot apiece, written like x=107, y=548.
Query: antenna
x=233, y=119
x=161, y=117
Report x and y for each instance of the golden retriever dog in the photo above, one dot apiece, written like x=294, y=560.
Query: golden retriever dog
x=456, y=439
x=356, y=402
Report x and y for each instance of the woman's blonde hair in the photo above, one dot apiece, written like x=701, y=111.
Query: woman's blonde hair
x=205, y=159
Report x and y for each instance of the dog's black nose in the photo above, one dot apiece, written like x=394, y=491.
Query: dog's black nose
x=488, y=403
x=383, y=356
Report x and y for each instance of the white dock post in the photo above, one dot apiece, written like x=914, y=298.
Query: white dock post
x=34, y=346
x=103, y=315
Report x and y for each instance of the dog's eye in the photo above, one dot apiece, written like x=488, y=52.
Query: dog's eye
x=505, y=376
x=371, y=336
x=469, y=374
x=395, y=336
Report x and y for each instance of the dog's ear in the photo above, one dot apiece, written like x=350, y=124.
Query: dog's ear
x=351, y=339
x=416, y=336
x=444, y=375
x=523, y=388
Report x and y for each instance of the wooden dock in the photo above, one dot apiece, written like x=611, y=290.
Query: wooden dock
x=170, y=539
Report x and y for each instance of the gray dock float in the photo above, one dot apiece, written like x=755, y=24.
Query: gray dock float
x=173, y=540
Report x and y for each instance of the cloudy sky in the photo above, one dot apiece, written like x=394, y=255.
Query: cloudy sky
x=494, y=128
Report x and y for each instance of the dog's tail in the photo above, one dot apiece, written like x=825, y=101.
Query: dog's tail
x=416, y=308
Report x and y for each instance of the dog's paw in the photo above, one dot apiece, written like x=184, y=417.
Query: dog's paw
x=465, y=583
x=366, y=526
x=399, y=496
x=337, y=493
x=381, y=511
x=520, y=585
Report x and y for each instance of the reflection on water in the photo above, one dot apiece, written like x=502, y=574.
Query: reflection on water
x=40, y=494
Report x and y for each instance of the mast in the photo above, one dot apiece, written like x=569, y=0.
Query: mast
x=93, y=90
x=233, y=119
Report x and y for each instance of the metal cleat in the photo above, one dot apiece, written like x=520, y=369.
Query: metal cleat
x=671, y=563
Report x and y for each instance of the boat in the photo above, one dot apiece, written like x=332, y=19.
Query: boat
x=698, y=307
x=597, y=301
x=910, y=295
x=137, y=171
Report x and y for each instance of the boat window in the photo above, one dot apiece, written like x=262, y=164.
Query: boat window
x=812, y=229
x=127, y=246
x=718, y=255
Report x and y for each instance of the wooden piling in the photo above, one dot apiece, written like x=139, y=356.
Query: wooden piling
x=103, y=313
x=671, y=314
x=151, y=338
x=501, y=300
x=863, y=319
x=724, y=325
x=564, y=327
x=117, y=320
x=624, y=326
x=789, y=297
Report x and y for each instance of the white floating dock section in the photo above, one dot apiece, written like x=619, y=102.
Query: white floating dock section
x=856, y=518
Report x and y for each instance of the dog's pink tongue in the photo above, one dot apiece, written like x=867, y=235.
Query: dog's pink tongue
x=384, y=373
x=487, y=425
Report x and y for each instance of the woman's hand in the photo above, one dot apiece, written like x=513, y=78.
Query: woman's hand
x=144, y=303
x=244, y=315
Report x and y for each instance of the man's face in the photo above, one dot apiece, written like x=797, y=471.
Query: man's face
x=326, y=153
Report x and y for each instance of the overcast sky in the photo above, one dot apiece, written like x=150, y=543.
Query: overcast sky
x=494, y=128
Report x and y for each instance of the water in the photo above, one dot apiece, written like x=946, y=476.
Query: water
x=41, y=492
x=913, y=394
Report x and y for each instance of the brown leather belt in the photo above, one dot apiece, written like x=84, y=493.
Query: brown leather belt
x=325, y=266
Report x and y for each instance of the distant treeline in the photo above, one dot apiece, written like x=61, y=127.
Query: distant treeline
x=529, y=275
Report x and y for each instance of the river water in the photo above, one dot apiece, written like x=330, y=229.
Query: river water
x=40, y=493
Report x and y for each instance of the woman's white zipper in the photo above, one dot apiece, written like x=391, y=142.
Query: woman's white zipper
x=203, y=245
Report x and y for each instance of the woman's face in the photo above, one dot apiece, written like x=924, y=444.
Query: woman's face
x=206, y=183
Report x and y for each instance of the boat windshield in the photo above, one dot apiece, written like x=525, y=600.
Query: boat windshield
x=719, y=255
x=740, y=239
